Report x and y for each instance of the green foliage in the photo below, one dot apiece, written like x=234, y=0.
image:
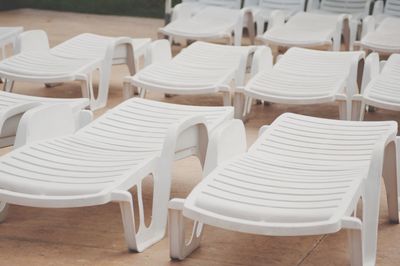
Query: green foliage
x=143, y=8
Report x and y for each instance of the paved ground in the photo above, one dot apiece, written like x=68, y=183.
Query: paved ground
x=93, y=236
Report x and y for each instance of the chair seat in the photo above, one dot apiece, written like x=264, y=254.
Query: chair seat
x=386, y=38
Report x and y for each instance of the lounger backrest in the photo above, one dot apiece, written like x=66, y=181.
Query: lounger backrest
x=33, y=40
x=297, y=5
x=223, y=3
x=392, y=8
x=321, y=143
x=345, y=6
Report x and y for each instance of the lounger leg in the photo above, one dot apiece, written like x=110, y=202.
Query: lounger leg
x=85, y=85
x=179, y=249
x=357, y=110
x=370, y=219
x=355, y=244
x=8, y=85
x=227, y=100
x=390, y=178
x=239, y=105
x=3, y=211
x=146, y=236
x=344, y=110
x=128, y=90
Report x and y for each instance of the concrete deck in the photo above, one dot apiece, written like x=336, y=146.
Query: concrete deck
x=94, y=236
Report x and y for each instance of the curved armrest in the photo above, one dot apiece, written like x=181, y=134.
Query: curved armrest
x=371, y=70
x=277, y=19
x=368, y=26
x=378, y=8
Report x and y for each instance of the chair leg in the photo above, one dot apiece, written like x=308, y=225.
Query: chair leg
x=355, y=243
x=239, y=101
x=390, y=175
x=344, y=110
x=179, y=249
x=128, y=90
x=144, y=237
x=227, y=100
x=3, y=211
x=357, y=110
x=370, y=220
x=8, y=85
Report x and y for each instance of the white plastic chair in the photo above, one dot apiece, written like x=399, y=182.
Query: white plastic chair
x=13, y=106
x=303, y=176
x=212, y=20
x=8, y=35
x=262, y=10
x=103, y=161
x=304, y=77
x=380, y=85
x=74, y=59
x=201, y=68
x=384, y=38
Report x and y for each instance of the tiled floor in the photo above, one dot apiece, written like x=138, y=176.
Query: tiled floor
x=93, y=236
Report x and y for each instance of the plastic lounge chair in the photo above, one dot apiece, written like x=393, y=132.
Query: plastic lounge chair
x=303, y=176
x=189, y=8
x=102, y=161
x=303, y=76
x=315, y=29
x=262, y=10
x=201, y=68
x=75, y=59
x=380, y=87
x=13, y=106
x=385, y=38
x=8, y=35
x=212, y=23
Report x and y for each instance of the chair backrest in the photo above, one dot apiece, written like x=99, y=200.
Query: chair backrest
x=223, y=3
x=392, y=8
x=32, y=40
x=344, y=6
x=282, y=4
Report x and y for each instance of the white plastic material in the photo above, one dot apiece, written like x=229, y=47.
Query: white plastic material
x=13, y=106
x=201, y=68
x=381, y=88
x=212, y=23
x=306, y=30
x=385, y=38
x=8, y=35
x=103, y=161
x=263, y=9
x=385, y=9
x=75, y=59
x=303, y=176
x=304, y=76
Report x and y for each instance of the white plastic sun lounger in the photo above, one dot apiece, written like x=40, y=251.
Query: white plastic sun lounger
x=102, y=161
x=385, y=38
x=380, y=87
x=324, y=26
x=304, y=76
x=74, y=59
x=13, y=106
x=189, y=8
x=201, y=68
x=303, y=176
x=263, y=10
x=212, y=23
x=8, y=35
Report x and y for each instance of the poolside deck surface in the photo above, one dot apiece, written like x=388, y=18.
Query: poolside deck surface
x=94, y=236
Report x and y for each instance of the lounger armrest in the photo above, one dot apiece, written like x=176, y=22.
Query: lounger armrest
x=368, y=25
x=312, y=4
x=46, y=121
x=262, y=130
x=226, y=142
x=277, y=19
x=378, y=8
x=262, y=60
x=188, y=133
x=176, y=204
x=371, y=70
